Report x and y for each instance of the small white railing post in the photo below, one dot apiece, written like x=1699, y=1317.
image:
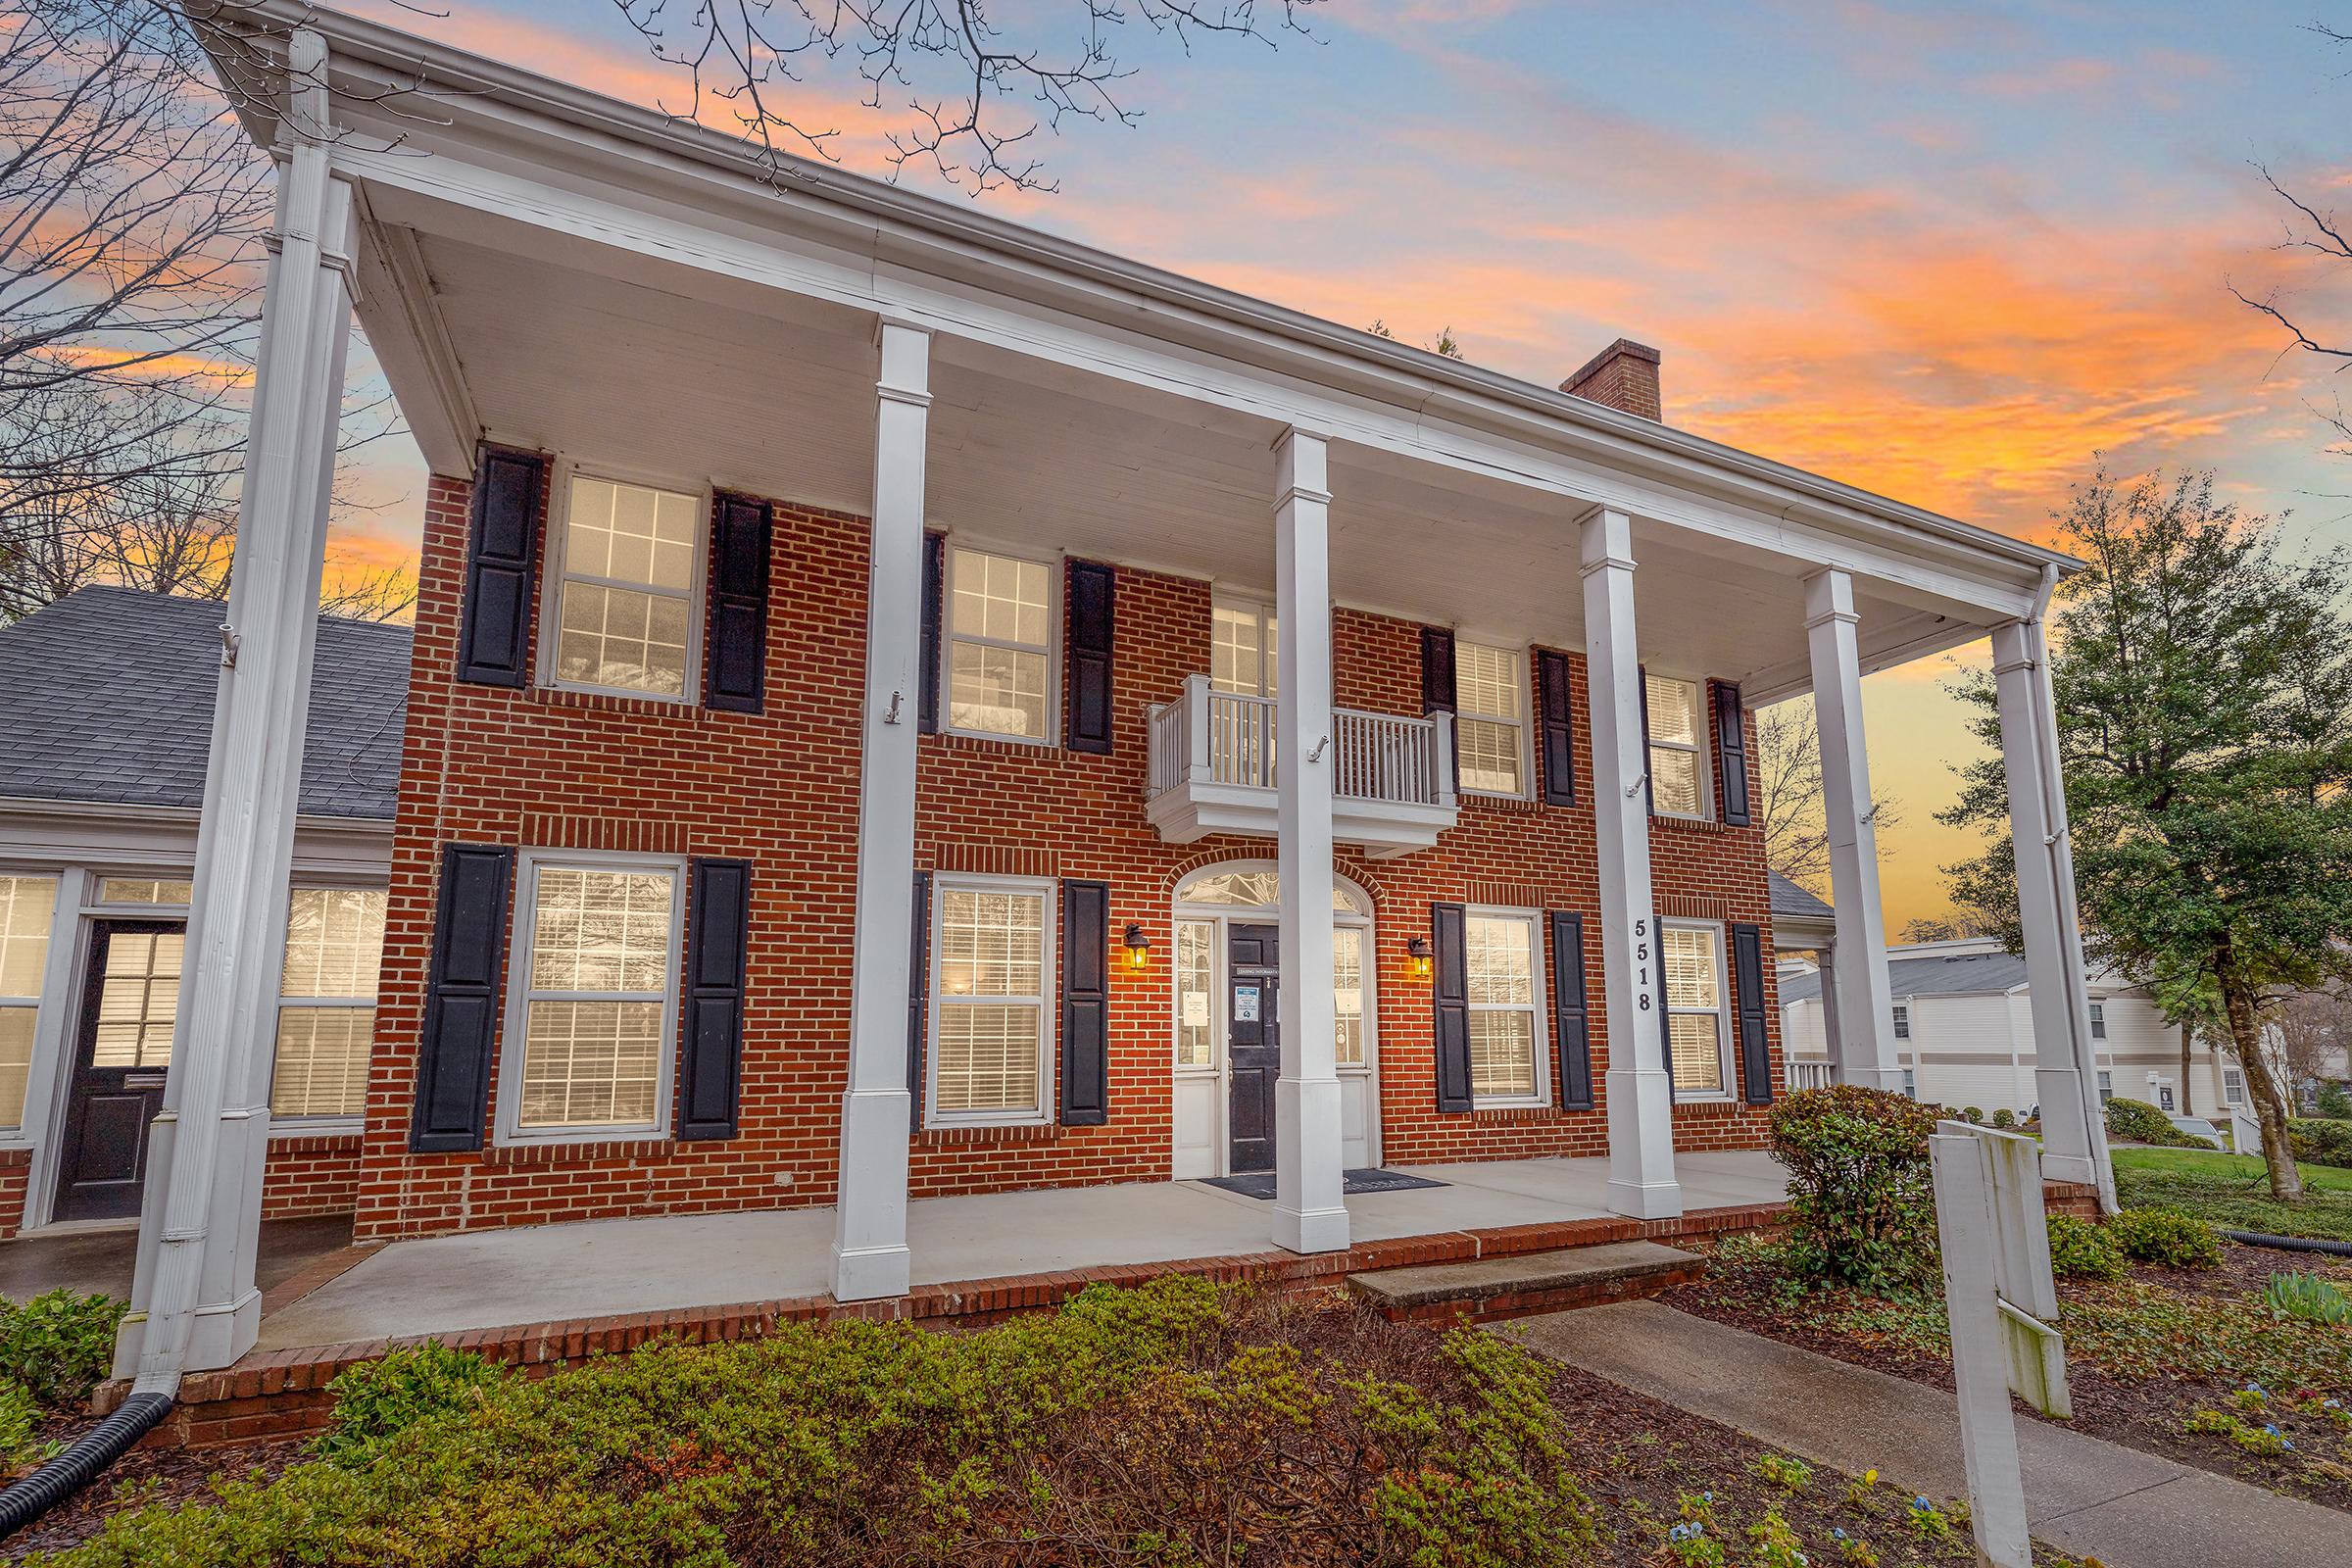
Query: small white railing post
x=1441, y=759
x=1199, y=764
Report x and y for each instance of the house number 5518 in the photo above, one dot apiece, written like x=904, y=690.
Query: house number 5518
x=1642, y=964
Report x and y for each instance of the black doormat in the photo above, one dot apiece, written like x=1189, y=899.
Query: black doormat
x=1260, y=1183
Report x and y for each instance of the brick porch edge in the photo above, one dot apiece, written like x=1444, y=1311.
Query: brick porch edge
x=273, y=1394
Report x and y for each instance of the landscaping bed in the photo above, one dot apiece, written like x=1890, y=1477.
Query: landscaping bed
x=2233, y=1192
x=2160, y=1359
x=1176, y=1424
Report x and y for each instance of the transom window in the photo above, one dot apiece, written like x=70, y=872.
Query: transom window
x=327, y=1002
x=1677, y=773
x=989, y=1031
x=999, y=631
x=1695, y=1007
x=1490, y=725
x=162, y=892
x=599, y=1000
x=1259, y=890
x=1499, y=951
x=26, y=905
x=629, y=595
x=1242, y=655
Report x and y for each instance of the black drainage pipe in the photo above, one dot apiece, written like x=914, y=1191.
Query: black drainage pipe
x=83, y=1462
x=2286, y=1243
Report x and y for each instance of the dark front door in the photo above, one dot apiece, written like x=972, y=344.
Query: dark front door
x=1254, y=1046
x=129, y=998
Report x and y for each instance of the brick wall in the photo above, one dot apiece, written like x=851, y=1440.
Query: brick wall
x=307, y=1175
x=16, y=1170
x=535, y=767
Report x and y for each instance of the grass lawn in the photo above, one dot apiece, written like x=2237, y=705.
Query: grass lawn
x=2231, y=1191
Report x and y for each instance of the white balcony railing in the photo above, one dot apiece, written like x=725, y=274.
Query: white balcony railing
x=1213, y=759
x=1808, y=1075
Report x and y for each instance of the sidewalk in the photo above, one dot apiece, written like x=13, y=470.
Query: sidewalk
x=2084, y=1496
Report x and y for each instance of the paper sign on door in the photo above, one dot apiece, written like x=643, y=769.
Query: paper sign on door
x=1244, y=1004
x=1196, y=1009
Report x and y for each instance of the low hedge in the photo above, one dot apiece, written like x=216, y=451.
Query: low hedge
x=2320, y=1140
x=1861, y=1197
x=2136, y=1121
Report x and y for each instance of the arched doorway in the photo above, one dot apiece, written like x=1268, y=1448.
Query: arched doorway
x=1226, y=976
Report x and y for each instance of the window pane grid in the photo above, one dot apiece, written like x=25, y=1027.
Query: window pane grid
x=1196, y=977
x=990, y=996
x=1348, y=993
x=999, y=621
x=1489, y=692
x=1677, y=778
x=626, y=614
x=1242, y=650
x=326, y=1014
x=600, y=977
x=1695, y=998
x=1500, y=959
x=138, y=999
x=26, y=906
x=144, y=890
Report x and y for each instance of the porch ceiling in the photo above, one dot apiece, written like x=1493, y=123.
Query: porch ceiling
x=660, y=370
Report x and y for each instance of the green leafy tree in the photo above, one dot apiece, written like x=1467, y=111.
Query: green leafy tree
x=2203, y=682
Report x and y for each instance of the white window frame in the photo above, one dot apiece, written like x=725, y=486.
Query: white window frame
x=1215, y=1063
x=1700, y=747
x=1901, y=1013
x=555, y=573
x=1910, y=1083
x=17, y=1130
x=1722, y=1010
x=1048, y=976
x=513, y=1041
x=1540, y=1034
x=2098, y=1019
x=1057, y=574
x=313, y=1126
x=1524, y=724
x=1262, y=609
x=2229, y=1074
x=2106, y=1085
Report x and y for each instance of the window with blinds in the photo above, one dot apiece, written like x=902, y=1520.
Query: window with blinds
x=999, y=644
x=327, y=1002
x=138, y=999
x=1500, y=952
x=1677, y=763
x=631, y=590
x=600, y=994
x=1696, y=1001
x=26, y=906
x=1490, y=725
x=991, y=969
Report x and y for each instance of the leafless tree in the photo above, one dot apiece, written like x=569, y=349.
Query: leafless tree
x=973, y=93
x=2315, y=1030
x=2310, y=229
x=1787, y=788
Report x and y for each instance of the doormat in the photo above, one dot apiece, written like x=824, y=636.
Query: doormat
x=1260, y=1183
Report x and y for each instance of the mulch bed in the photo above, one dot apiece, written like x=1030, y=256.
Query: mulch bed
x=2142, y=1415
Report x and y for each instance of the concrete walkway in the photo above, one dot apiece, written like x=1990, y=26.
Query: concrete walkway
x=2084, y=1496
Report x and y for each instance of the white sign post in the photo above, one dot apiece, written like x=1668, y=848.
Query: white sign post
x=2002, y=1300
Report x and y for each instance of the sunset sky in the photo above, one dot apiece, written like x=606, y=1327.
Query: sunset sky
x=1947, y=252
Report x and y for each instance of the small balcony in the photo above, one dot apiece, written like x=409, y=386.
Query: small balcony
x=1212, y=771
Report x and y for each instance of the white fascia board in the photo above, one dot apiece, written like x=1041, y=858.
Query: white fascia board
x=43, y=835
x=1883, y=646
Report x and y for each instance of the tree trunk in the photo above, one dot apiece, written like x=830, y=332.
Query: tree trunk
x=2246, y=1035
x=2188, y=1045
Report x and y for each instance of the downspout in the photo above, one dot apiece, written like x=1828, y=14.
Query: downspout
x=83, y=1462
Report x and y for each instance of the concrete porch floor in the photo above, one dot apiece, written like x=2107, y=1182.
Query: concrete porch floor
x=517, y=1276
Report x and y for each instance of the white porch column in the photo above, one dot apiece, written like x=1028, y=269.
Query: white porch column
x=194, y=1301
x=1864, y=998
x=1831, y=1042
x=1311, y=1213
x=869, y=1233
x=2074, y=1131
x=1641, y=1094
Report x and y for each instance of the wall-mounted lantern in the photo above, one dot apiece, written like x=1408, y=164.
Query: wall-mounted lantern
x=1138, y=947
x=1417, y=961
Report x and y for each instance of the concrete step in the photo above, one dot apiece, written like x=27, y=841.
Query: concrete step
x=1526, y=1282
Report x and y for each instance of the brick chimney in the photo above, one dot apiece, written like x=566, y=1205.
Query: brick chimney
x=1624, y=375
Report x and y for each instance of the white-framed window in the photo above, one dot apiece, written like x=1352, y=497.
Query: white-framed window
x=1910, y=1084
x=2234, y=1086
x=327, y=1003
x=28, y=906
x=2098, y=1021
x=590, y=1024
x=1348, y=993
x=1680, y=781
x=992, y=964
x=1490, y=721
x=1502, y=950
x=2106, y=1085
x=1902, y=1021
x=1242, y=655
x=1002, y=613
x=164, y=893
x=629, y=599
x=1196, y=972
x=1698, y=1008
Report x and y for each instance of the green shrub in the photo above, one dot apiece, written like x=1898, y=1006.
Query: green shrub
x=2165, y=1237
x=2136, y=1121
x=2307, y=1297
x=18, y=1413
x=1860, y=1197
x=376, y=1401
x=2335, y=1100
x=57, y=1346
x=2004, y=1117
x=2081, y=1250
x=2320, y=1142
x=1974, y=1115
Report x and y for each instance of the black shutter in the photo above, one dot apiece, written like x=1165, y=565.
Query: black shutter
x=1748, y=994
x=1571, y=1014
x=1556, y=696
x=1436, y=671
x=1649, y=792
x=461, y=999
x=918, y=997
x=1086, y=654
x=935, y=593
x=1730, y=750
x=502, y=545
x=1449, y=995
x=738, y=618
x=1084, y=1004
x=719, y=916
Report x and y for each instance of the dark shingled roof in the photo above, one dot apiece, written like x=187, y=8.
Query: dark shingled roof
x=1790, y=902
x=105, y=697
x=1933, y=974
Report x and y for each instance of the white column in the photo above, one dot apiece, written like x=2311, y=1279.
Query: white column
x=2073, y=1132
x=194, y=1301
x=869, y=1233
x=1310, y=1212
x=1833, y=1043
x=1864, y=996
x=1641, y=1094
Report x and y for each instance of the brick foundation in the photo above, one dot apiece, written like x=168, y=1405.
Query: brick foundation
x=310, y=1175
x=16, y=1173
